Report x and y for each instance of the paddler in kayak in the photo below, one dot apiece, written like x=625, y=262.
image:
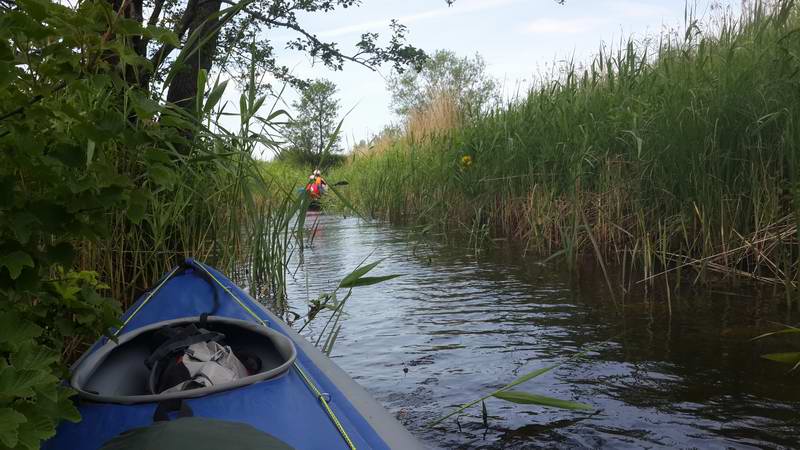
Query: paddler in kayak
x=316, y=185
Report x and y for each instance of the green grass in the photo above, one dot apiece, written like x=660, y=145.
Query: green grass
x=680, y=151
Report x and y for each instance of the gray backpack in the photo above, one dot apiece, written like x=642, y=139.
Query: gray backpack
x=191, y=357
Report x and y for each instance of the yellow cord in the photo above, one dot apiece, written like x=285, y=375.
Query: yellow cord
x=325, y=405
x=245, y=307
x=146, y=299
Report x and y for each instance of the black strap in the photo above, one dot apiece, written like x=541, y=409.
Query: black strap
x=165, y=407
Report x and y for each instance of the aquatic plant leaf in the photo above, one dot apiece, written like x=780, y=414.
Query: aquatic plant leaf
x=516, y=382
x=530, y=376
x=359, y=272
x=786, y=357
x=788, y=330
x=366, y=281
x=526, y=398
x=328, y=347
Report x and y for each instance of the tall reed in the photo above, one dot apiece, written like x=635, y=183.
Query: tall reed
x=219, y=206
x=681, y=150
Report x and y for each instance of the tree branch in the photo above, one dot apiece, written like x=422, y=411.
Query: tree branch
x=180, y=29
x=311, y=38
x=153, y=20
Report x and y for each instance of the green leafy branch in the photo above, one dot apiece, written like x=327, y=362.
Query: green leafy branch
x=792, y=358
x=521, y=397
x=356, y=278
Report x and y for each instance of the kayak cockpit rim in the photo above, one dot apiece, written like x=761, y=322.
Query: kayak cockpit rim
x=116, y=372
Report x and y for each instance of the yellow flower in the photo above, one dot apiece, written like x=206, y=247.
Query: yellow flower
x=466, y=160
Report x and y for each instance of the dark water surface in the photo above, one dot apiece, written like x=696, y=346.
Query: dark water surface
x=463, y=326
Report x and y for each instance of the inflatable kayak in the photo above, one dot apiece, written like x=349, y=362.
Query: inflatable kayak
x=255, y=384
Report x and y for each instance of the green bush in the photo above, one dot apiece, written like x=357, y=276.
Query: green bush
x=95, y=173
x=66, y=123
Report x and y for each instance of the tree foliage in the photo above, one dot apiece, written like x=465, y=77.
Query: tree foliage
x=83, y=155
x=86, y=145
x=463, y=79
x=236, y=36
x=313, y=134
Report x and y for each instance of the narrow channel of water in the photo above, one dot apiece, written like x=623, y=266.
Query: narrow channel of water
x=454, y=327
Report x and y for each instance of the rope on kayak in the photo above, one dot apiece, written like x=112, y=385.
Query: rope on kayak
x=225, y=288
x=320, y=396
x=146, y=299
x=331, y=414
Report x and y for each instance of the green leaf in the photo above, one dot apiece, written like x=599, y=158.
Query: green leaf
x=787, y=330
x=34, y=357
x=327, y=348
x=20, y=382
x=530, y=376
x=137, y=205
x=526, y=398
x=90, y=145
x=353, y=276
x=201, y=88
x=214, y=96
x=47, y=391
x=36, y=428
x=66, y=407
x=23, y=224
x=36, y=8
x=128, y=27
x=162, y=175
x=10, y=421
x=144, y=106
x=14, y=329
x=366, y=281
x=243, y=109
x=15, y=261
x=162, y=35
x=786, y=358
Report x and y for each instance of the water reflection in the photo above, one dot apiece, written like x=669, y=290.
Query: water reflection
x=455, y=326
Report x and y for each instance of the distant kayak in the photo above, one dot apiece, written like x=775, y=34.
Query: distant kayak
x=255, y=384
x=313, y=202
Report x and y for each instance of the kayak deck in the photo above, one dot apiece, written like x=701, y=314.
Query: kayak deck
x=288, y=406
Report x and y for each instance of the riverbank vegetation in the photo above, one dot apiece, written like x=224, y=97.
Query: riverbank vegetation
x=104, y=188
x=119, y=156
x=673, y=153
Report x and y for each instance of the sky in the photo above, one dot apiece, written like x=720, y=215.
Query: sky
x=520, y=40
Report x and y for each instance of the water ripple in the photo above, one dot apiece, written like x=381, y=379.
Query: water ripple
x=454, y=327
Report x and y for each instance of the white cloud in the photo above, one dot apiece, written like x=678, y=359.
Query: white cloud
x=461, y=7
x=638, y=9
x=616, y=11
x=563, y=26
